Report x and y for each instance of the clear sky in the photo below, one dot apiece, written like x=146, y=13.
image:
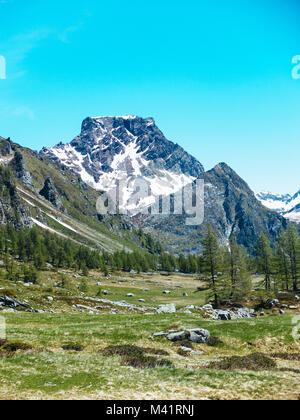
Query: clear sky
x=215, y=75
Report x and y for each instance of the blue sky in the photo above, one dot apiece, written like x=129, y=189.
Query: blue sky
x=216, y=76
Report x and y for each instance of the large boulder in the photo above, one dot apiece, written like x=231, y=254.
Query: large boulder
x=198, y=335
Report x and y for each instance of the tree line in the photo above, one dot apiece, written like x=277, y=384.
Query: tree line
x=226, y=268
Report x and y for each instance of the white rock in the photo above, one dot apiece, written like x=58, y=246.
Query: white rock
x=169, y=308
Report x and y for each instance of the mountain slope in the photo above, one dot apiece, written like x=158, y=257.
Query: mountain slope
x=230, y=207
x=77, y=217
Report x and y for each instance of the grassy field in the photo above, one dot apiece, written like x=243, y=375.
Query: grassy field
x=73, y=355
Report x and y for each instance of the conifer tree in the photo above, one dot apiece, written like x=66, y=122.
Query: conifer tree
x=265, y=259
x=212, y=261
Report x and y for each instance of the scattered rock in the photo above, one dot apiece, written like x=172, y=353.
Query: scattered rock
x=130, y=295
x=227, y=314
x=166, y=292
x=169, y=308
x=271, y=303
x=195, y=335
x=12, y=303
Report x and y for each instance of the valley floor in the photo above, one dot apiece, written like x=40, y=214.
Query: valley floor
x=74, y=353
x=46, y=371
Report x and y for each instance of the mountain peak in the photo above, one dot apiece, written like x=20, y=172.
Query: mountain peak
x=112, y=149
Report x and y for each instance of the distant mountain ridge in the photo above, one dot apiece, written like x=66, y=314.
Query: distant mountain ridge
x=285, y=204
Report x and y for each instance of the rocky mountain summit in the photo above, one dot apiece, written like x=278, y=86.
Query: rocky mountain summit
x=123, y=149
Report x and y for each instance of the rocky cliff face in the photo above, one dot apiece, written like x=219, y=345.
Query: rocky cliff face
x=50, y=193
x=12, y=209
x=19, y=167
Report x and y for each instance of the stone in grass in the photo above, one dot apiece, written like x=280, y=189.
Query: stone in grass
x=178, y=336
x=198, y=335
x=195, y=335
x=186, y=349
x=159, y=334
x=166, y=292
x=105, y=292
x=184, y=294
x=169, y=308
x=130, y=295
x=141, y=300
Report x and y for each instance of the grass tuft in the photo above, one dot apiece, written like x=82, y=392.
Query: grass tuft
x=72, y=347
x=286, y=356
x=214, y=341
x=145, y=362
x=255, y=361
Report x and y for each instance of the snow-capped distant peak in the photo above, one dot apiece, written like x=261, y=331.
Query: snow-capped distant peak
x=285, y=204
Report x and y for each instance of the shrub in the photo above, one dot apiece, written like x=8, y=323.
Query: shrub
x=255, y=361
